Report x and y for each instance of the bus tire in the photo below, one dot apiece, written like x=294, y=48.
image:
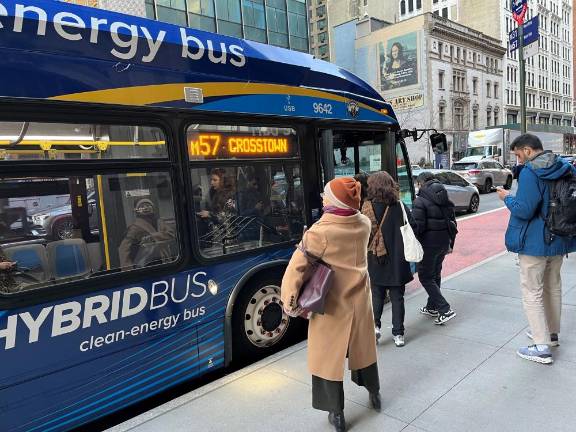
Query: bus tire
x=259, y=325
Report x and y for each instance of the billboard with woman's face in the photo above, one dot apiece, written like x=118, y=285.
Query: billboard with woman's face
x=399, y=62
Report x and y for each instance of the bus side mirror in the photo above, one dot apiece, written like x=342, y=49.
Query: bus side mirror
x=438, y=143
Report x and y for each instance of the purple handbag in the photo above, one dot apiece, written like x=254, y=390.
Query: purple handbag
x=313, y=293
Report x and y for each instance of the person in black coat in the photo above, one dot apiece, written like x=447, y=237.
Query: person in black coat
x=436, y=230
x=389, y=272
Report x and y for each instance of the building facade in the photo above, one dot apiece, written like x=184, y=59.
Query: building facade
x=435, y=73
x=549, y=72
x=281, y=23
x=324, y=15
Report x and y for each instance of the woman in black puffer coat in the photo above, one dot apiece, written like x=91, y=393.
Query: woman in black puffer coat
x=436, y=230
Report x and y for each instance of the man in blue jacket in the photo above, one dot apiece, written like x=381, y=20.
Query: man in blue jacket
x=540, y=255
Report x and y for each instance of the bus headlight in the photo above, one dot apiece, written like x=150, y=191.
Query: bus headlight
x=212, y=287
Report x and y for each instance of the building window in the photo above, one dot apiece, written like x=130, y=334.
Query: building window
x=488, y=87
x=441, y=115
x=297, y=25
x=488, y=118
x=229, y=17
x=441, y=80
x=403, y=7
x=418, y=4
x=475, y=85
x=445, y=12
x=150, y=11
x=277, y=20
x=458, y=116
x=172, y=11
x=475, y=118
x=254, y=17
x=410, y=5
x=495, y=90
x=201, y=15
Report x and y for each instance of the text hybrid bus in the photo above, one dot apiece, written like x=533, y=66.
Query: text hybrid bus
x=153, y=182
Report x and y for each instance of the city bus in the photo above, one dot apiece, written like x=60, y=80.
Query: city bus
x=154, y=180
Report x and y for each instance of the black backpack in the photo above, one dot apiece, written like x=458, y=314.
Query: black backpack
x=561, y=218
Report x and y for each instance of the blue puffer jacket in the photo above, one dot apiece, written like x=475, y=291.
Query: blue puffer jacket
x=526, y=229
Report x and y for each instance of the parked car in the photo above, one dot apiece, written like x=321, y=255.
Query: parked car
x=57, y=222
x=485, y=174
x=461, y=192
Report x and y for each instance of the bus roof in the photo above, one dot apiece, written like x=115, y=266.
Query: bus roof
x=59, y=51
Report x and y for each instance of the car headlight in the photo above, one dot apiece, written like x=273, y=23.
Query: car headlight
x=40, y=218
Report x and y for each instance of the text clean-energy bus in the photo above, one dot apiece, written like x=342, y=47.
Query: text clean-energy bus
x=153, y=182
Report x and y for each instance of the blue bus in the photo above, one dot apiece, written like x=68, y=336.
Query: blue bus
x=153, y=182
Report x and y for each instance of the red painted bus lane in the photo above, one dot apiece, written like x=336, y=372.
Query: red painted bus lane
x=479, y=237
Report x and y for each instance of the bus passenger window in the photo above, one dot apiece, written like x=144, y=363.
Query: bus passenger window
x=62, y=141
x=247, y=207
x=61, y=228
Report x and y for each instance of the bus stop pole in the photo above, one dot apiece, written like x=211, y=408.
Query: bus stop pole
x=522, y=79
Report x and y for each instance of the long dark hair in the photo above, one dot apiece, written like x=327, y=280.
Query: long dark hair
x=383, y=188
x=220, y=197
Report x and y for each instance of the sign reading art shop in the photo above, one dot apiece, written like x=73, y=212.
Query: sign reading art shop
x=407, y=102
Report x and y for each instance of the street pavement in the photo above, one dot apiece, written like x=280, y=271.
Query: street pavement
x=460, y=377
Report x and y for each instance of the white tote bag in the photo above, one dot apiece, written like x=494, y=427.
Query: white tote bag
x=413, y=251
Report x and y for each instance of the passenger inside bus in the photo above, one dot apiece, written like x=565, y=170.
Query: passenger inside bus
x=145, y=243
x=252, y=204
x=221, y=197
x=7, y=267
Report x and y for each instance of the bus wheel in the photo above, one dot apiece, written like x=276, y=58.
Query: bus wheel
x=260, y=326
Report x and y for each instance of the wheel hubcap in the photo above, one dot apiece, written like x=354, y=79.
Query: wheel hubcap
x=65, y=230
x=265, y=323
x=475, y=203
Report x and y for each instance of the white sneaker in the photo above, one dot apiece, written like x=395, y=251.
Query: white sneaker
x=378, y=334
x=399, y=340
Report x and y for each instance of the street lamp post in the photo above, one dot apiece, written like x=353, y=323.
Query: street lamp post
x=522, y=79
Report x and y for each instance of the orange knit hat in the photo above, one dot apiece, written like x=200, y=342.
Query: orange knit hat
x=343, y=192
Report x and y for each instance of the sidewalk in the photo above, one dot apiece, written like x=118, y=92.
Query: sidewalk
x=461, y=377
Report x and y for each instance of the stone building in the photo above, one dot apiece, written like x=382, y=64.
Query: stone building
x=435, y=72
x=549, y=73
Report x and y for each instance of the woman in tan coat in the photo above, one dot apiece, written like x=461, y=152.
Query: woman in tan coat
x=346, y=329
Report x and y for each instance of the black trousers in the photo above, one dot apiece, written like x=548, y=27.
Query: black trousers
x=397, y=300
x=329, y=395
x=430, y=275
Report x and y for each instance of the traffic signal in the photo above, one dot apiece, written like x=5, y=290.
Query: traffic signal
x=439, y=143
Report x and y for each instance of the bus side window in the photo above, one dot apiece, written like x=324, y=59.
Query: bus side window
x=246, y=207
x=57, y=229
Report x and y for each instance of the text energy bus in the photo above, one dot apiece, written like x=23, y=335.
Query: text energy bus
x=153, y=182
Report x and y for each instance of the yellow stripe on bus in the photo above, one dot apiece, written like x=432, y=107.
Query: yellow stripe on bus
x=154, y=94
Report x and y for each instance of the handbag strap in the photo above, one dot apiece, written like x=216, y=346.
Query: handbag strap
x=379, y=230
x=302, y=248
x=404, y=215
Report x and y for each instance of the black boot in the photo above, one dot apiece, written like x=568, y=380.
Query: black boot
x=376, y=401
x=337, y=420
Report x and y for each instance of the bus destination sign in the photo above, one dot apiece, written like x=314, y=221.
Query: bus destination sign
x=219, y=145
